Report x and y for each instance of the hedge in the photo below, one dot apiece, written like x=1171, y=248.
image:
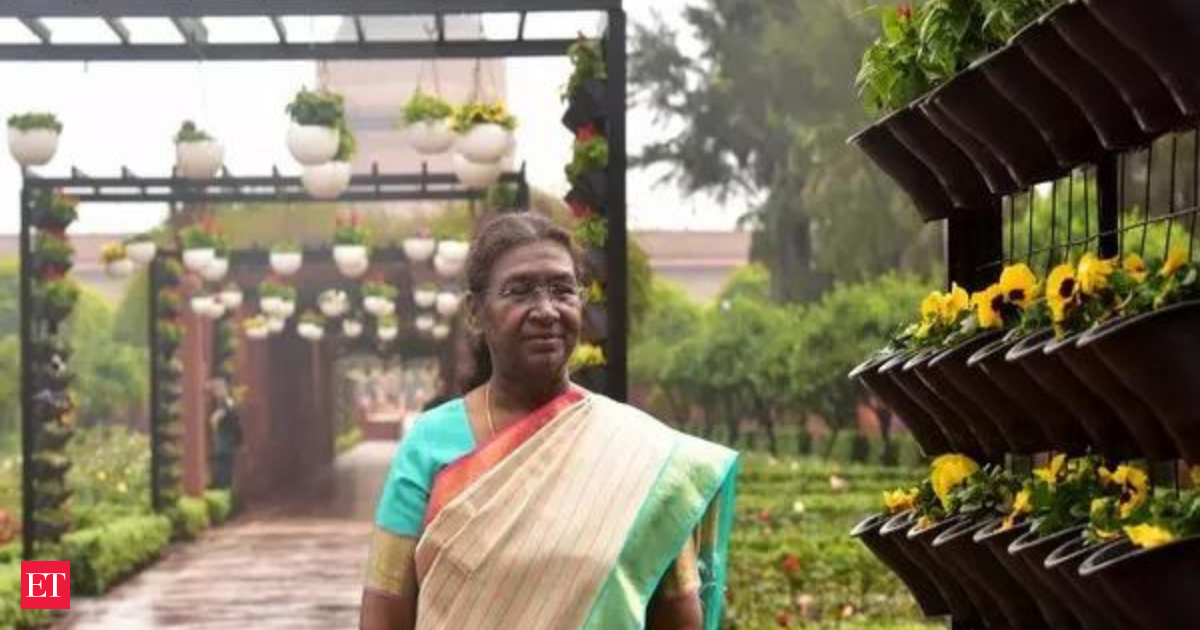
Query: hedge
x=220, y=504
x=189, y=517
x=11, y=615
x=101, y=556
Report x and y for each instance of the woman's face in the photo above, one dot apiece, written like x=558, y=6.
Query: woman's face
x=531, y=311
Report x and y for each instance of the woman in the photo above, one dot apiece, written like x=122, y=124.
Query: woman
x=531, y=503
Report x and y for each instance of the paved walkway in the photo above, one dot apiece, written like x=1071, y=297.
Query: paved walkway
x=296, y=565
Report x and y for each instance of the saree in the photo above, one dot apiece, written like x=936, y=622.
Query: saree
x=570, y=518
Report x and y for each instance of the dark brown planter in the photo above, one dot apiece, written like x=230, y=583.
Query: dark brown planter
x=923, y=428
x=996, y=540
x=1091, y=91
x=960, y=605
x=1033, y=548
x=913, y=177
x=1039, y=404
x=972, y=101
x=596, y=263
x=966, y=410
x=994, y=577
x=1159, y=587
x=999, y=181
x=887, y=549
x=586, y=105
x=957, y=434
x=1166, y=33
x=1157, y=355
x=1095, y=609
x=592, y=190
x=1097, y=419
x=985, y=605
x=595, y=317
x=1150, y=438
x=959, y=178
x=1151, y=102
x=1057, y=118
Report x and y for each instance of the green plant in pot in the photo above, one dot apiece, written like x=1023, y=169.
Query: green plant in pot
x=485, y=131
x=198, y=156
x=200, y=242
x=426, y=120
x=318, y=116
x=56, y=298
x=53, y=254
x=54, y=211
x=33, y=137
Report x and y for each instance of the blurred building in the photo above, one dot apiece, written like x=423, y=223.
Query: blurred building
x=700, y=262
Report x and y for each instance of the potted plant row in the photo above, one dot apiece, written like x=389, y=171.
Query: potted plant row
x=588, y=170
x=585, y=90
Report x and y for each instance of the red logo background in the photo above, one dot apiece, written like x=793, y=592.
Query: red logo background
x=43, y=586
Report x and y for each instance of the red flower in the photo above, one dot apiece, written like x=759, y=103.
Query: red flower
x=764, y=516
x=904, y=11
x=586, y=132
x=579, y=209
x=355, y=219
x=791, y=563
x=783, y=619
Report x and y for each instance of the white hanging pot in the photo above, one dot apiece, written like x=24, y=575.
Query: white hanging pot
x=231, y=299
x=419, y=249
x=276, y=325
x=217, y=310
x=484, y=143
x=378, y=306
x=351, y=260
x=202, y=305
x=441, y=331
x=429, y=137
x=141, y=252
x=453, y=250
x=333, y=304
x=200, y=159
x=195, y=260
x=270, y=305
x=286, y=263
x=286, y=309
x=424, y=323
x=215, y=270
x=473, y=174
x=446, y=267
x=312, y=144
x=388, y=333
x=32, y=147
x=424, y=298
x=258, y=333
x=119, y=268
x=352, y=328
x=310, y=332
x=447, y=303
x=326, y=181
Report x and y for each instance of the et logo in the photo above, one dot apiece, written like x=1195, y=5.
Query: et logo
x=46, y=585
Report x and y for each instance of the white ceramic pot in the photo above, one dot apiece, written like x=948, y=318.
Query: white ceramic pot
x=441, y=331
x=258, y=333
x=141, y=252
x=473, y=174
x=447, y=303
x=202, y=305
x=333, y=303
x=352, y=328
x=424, y=298
x=195, y=260
x=351, y=260
x=217, y=310
x=270, y=305
x=419, y=249
x=119, y=268
x=446, y=267
x=388, y=333
x=199, y=160
x=215, y=270
x=311, y=332
x=231, y=299
x=378, y=306
x=326, y=181
x=429, y=137
x=286, y=263
x=286, y=309
x=424, y=323
x=453, y=250
x=312, y=144
x=276, y=325
x=484, y=143
x=32, y=147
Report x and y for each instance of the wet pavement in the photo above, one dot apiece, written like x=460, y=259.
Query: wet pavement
x=297, y=564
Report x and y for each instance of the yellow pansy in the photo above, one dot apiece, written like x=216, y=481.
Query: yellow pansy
x=953, y=304
x=1022, y=505
x=1134, y=484
x=1050, y=473
x=1176, y=259
x=987, y=307
x=948, y=472
x=1148, y=536
x=1196, y=476
x=1135, y=267
x=897, y=501
x=931, y=306
x=101, y=475
x=1062, y=292
x=1018, y=285
x=1094, y=273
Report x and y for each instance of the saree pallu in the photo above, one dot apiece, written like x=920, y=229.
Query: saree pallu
x=570, y=518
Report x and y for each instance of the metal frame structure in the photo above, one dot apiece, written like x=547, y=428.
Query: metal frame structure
x=187, y=17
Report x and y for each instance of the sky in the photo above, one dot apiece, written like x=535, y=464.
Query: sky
x=124, y=114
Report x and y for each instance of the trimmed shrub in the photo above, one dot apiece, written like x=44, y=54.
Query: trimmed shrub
x=189, y=517
x=220, y=504
x=101, y=556
x=11, y=615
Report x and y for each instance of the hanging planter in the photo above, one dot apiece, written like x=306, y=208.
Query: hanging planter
x=33, y=138
x=352, y=328
x=116, y=261
x=447, y=303
x=419, y=248
x=311, y=327
x=200, y=243
x=485, y=131
x=426, y=120
x=54, y=211
x=326, y=181
x=276, y=325
x=585, y=89
x=141, y=251
x=425, y=296
x=379, y=298
x=256, y=328
x=276, y=300
x=441, y=331
x=231, y=298
x=216, y=269
x=286, y=258
x=447, y=267
x=386, y=328
x=474, y=174
x=424, y=323
x=197, y=155
x=350, y=250
x=333, y=303
x=318, y=119
x=453, y=250
x=587, y=171
x=203, y=305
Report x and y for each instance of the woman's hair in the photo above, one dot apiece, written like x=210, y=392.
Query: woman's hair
x=493, y=240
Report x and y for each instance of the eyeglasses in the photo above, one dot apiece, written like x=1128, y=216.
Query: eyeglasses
x=525, y=293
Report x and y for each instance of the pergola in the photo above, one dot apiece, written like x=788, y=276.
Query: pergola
x=120, y=19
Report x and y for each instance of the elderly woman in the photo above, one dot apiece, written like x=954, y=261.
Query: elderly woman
x=531, y=503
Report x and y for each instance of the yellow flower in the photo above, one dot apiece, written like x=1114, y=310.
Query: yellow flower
x=1018, y=285
x=948, y=472
x=1094, y=273
x=1196, y=476
x=101, y=475
x=1022, y=505
x=1133, y=483
x=1135, y=267
x=953, y=304
x=1062, y=292
x=1176, y=259
x=987, y=307
x=1148, y=536
x=897, y=501
x=931, y=306
x=122, y=488
x=1049, y=474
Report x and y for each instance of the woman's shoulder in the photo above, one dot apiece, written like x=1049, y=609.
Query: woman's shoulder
x=685, y=444
x=440, y=434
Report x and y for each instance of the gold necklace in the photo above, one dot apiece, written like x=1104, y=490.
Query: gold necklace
x=487, y=403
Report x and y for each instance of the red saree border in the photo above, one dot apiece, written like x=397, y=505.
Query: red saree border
x=460, y=474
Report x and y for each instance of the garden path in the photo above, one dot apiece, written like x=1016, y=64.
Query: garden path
x=295, y=565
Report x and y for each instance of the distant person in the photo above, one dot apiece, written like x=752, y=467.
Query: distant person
x=226, y=430
x=561, y=506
